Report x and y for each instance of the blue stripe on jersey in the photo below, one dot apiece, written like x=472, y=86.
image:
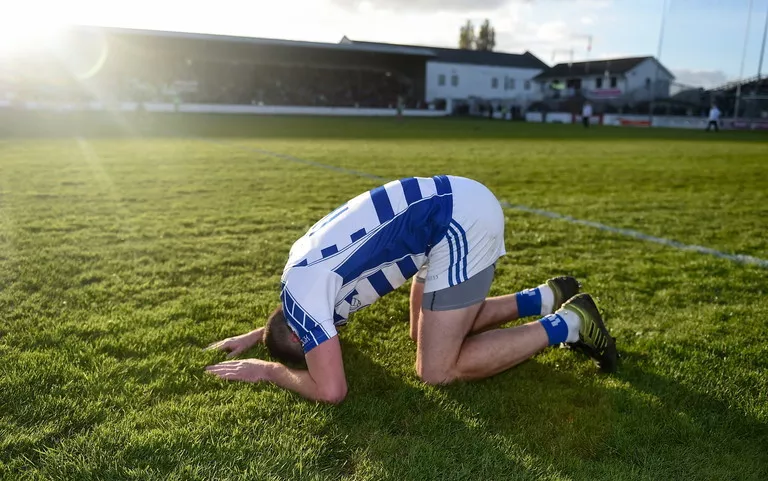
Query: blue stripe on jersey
x=310, y=332
x=442, y=184
x=337, y=318
x=382, y=204
x=350, y=296
x=330, y=250
x=407, y=267
x=411, y=189
x=421, y=225
x=449, y=237
x=456, y=268
x=380, y=283
x=466, y=247
x=357, y=235
x=287, y=303
x=329, y=217
x=301, y=264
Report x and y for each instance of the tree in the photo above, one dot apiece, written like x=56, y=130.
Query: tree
x=486, y=38
x=467, y=36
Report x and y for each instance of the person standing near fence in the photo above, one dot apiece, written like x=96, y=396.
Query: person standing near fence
x=714, y=118
x=586, y=114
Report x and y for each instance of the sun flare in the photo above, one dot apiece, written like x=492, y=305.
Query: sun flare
x=20, y=34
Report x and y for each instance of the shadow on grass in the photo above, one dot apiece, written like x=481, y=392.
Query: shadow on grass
x=663, y=425
x=95, y=124
x=539, y=420
x=397, y=428
x=536, y=420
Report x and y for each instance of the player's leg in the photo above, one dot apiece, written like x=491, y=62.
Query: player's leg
x=459, y=279
x=445, y=353
x=537, y=301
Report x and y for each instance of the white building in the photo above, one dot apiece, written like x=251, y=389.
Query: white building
x=456, y=75
x=626, y=79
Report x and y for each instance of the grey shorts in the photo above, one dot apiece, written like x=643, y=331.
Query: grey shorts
x=470, y=292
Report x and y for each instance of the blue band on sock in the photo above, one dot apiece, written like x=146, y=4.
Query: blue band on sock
x=557, y=329
x=529, y=302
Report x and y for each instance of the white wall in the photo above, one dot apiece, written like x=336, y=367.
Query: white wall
x=648, y=70
x=536, y=117
x=631, y=120
x=476, y=81
x=222, y=109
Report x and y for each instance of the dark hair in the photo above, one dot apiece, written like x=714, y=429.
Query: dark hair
x=281, y=341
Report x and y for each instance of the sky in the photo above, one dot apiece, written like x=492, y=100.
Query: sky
x=703, y=39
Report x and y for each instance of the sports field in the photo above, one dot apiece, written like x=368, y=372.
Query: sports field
x=129, y=244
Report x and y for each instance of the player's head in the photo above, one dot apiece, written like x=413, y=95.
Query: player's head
x=281, y=341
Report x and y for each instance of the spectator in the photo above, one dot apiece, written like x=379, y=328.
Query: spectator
x=586, y=114
x=714, y=118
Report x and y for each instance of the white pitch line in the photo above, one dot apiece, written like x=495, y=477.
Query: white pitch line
x=740, y=258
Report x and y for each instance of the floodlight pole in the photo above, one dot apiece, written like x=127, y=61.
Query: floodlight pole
x=658, y=63
x=743, y=59
x=762, y=48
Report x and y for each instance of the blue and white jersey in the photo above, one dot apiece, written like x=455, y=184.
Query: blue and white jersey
x=361, y=251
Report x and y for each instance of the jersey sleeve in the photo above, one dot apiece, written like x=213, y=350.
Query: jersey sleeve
x=308, y=296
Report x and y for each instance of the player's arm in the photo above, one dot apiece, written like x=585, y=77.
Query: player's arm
x=324, y=380
x=417, y=295
x=239, y=344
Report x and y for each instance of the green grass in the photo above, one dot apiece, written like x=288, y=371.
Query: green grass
x=127, y=245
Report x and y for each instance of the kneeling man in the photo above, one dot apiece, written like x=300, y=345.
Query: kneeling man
x=448, y=232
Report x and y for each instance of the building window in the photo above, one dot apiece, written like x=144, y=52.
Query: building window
x=527, y=85
x=494, y=83
x=510, y=85
x=614, y=82
x=573, y=83
x=455, y=80
x=599, y=83
x=441, y=80
x=648, y=83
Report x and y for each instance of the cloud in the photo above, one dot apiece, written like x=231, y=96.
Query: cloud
x=463, y=5
x=427, y=5
x=594, y=4
x=700, y=78
x=520, y=25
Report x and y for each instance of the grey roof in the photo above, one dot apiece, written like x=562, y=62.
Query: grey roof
x=472, y=57
x=579, y=69
x=353, y=47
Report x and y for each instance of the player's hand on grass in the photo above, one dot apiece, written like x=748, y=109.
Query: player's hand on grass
x=248, y=370
x=238, y=344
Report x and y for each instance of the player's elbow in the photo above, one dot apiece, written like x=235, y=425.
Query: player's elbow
x=333, y=394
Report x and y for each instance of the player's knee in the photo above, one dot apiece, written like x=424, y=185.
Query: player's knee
x=333, y=394
x=435, y=376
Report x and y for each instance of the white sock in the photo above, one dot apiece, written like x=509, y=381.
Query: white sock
x=573, y=321
x=547, y=299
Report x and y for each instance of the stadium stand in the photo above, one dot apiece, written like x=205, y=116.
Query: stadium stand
x=753, y=102
x=114, y=65
x=138, y=65
x=154, y=66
